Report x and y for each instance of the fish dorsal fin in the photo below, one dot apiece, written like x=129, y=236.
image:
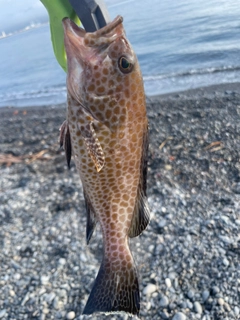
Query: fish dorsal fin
x=141, y=213
x=93, y=146
x=65, y=141
x=91, y=217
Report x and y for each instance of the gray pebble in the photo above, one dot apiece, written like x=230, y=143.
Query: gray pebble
x=164, y=302
x=162, y=223
x=50, y=297
x=205, y=295
x=236, y=310
x=179, y=316
x=172, y=306
x=172, y=275
x=225, y=262
x=197, y=307
x=215, y=290
x=189, y=304
x=3, y=313
x=183, y=304
x=190, y=294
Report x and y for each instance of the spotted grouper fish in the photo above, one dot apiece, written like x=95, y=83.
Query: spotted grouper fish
x=107, y=132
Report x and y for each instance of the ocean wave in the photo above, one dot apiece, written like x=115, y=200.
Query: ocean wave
x=46, y=96
x=192, y=72
x=25, y=29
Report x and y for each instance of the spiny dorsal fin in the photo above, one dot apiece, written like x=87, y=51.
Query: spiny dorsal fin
x=141, y=214
x=65, y=141
x=93, y=146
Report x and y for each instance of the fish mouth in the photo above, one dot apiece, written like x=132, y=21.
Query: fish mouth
x=85, y=46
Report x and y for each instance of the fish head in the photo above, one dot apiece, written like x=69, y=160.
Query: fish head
x=99, y=63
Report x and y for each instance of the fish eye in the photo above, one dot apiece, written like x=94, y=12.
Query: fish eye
x=125, y=65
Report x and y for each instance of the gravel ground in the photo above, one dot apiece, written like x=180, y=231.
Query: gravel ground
x=189, y=256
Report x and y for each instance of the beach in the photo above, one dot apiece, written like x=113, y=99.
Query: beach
x=189, y=256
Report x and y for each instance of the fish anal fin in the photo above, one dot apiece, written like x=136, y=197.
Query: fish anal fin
x=115, y=290
x=93, y=146
x=91, y=218
x=65, y=141
x=141, y=213
x=141, y=217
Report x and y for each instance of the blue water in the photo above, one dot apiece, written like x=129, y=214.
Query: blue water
x=181, y=44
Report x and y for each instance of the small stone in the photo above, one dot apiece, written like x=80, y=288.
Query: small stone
x=227, y=307
x=151, y=248
x=190, y=294
x=11, y=293
x=62, y=261
x=189, y=305
x=236, y=310
x=215, y=290
x=149, y=289
x=179, y=316
x=45, y=310
x=56, y=303
x=205, y=295
x=162, y=223
x=221, y=301
x=70, y=315
x=172, y=306
x=83, y=257
x=50, y=297
x=168, y=282
x=197, y=307
x=164, y=315
x=3, y=313
x=164, y=302
x=44, y=280
x=183, y=305
x=172, y=275
x=17, y=276
x=225, y=262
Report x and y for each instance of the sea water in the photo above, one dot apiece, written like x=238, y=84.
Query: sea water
x=180, y=44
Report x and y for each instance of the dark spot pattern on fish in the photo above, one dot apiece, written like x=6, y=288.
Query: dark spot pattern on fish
x=109, y=135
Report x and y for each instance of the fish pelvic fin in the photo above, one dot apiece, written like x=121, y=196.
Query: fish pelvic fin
x=65, y=141
x=141, y=213
x=115, y=290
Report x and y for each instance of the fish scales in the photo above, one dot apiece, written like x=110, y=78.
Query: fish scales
x=108, y=128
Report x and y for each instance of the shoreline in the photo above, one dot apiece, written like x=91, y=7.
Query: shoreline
x=188, y=258
x=208, y=91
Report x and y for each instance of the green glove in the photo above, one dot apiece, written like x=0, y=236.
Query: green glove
x=57, y=10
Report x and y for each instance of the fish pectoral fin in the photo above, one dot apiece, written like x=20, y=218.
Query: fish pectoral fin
x=91, y=217
x=141, y=213
x=93, y=146
x=65, y=141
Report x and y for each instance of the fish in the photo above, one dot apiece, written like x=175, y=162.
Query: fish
x=106, y=132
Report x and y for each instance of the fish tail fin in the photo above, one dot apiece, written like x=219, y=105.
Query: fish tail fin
x=115, y=289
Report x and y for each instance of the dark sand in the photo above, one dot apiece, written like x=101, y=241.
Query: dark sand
x=188, y=258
